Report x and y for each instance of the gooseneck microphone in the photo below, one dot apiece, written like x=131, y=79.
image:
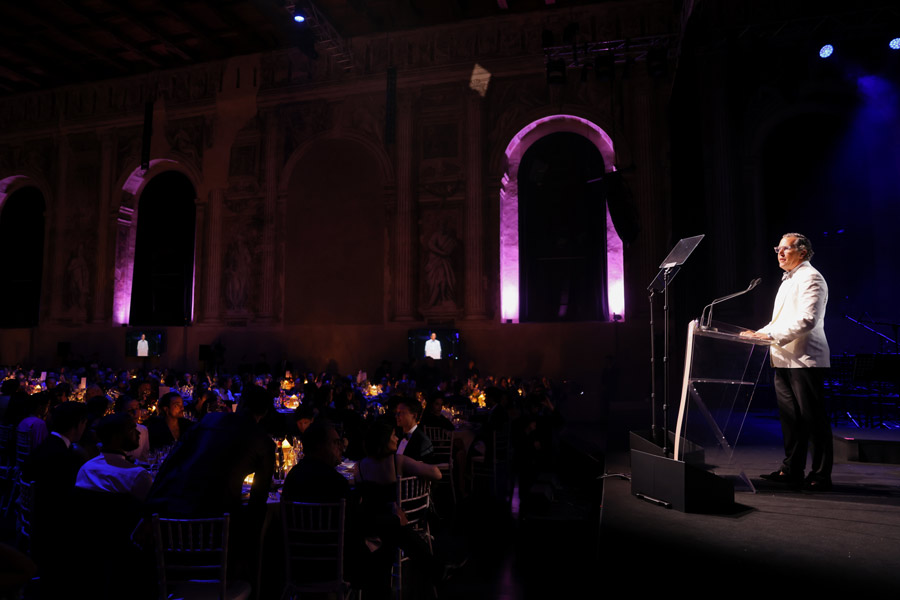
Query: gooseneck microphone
x=709, y=307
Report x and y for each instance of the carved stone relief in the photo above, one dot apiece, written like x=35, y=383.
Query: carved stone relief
x=365, y=115
x=303, y=121
x=185, y=137
x=441, y=261
x=128, y=147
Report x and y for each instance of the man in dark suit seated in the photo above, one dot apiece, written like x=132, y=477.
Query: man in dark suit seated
x=204, y=474
x=170, y=424
x=315, y=478
x=52, y=467
x=413, y=441
x=433, y=416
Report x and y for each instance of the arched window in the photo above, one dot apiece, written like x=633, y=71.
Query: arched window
x=163, y=283
x=562, y=231
x=22, y=257
x=601, y=281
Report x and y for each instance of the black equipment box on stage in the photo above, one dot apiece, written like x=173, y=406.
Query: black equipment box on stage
x=680, y=485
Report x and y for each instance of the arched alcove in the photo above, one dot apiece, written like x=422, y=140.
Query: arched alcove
x=562, y=231
x=163, y=282
x=509, y=213
x=22, y=227
x=133, y=189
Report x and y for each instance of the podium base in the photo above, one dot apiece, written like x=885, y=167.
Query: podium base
x=644, y=441
x=679, y=485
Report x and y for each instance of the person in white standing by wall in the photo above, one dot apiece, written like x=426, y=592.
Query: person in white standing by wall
x=143, y=346
x=433, y=347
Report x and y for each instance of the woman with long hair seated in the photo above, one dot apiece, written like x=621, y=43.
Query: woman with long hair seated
x=381, y=520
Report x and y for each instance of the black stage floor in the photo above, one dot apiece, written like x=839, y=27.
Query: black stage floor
x=845, y=540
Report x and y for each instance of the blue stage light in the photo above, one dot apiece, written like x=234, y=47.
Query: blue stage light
x=299, y=18
x=826, y=51
x=894, y=43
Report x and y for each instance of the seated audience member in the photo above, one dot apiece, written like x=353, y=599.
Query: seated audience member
x=413, y=443
x=498, y=418
x=303, y=418
x=169, y=425
x=132, y=408
x=380, y=520
x=433, y=416
x=225, y=393
x=59, y=394
x=315, y=478
x=111, y=471
x=53, y=463
x=34, y=423
x=7, y=389
x=52, y=467
x=204, y=474
x=207, y=402
x=17, y=408
x=97, y=408
x=353, y=424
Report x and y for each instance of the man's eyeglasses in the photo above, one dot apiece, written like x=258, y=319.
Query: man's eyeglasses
x=780, y=249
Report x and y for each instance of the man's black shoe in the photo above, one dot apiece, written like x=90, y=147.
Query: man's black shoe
x=817, y=483
x=782, y=477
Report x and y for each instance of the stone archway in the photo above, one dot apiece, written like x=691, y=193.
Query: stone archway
x=23, y=245
x=126, y=232
x=509, y=213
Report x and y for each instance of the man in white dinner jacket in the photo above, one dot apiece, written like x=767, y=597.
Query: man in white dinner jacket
x=800, y=356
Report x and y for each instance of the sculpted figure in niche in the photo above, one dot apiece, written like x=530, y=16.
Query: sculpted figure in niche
x=237, y=267
x=76, y=279
x=439, y=275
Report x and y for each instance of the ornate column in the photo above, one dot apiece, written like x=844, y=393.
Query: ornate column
x=101, y=283
x=55, y=284
x=267, y=295
x=474, y=234
x=405, y=256
x=212, y=267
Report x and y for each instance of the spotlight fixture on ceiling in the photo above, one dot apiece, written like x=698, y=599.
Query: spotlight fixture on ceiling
x=298, y=14
x=826, y=51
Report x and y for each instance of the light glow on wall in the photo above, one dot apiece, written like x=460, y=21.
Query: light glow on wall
x=509, y=214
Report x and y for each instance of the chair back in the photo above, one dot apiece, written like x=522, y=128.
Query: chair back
x=191, y=551
x=442, y=440
x=24, y=441
x=7, y=452
x=413, y=495
x=314, y=545
x=501, y=445
x=24, y=515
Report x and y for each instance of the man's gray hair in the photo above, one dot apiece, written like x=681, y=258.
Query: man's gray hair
x=802, y=243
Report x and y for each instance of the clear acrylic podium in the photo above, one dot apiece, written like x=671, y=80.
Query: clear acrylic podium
x=721, y=371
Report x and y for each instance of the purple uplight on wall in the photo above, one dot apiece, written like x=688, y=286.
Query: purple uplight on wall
x=509, y=214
